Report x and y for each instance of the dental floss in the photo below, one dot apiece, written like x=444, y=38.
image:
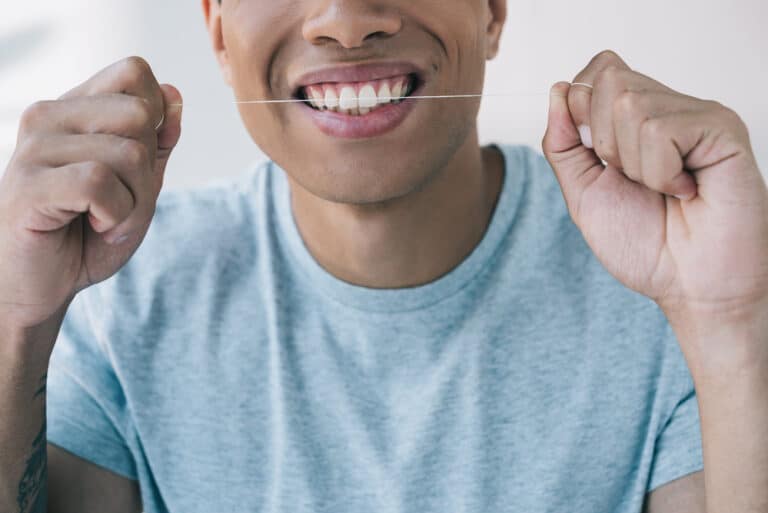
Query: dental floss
x=433, y=97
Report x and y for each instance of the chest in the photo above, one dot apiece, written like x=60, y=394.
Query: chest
x=355, y=419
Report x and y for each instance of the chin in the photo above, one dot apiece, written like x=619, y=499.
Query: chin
x=363, y=183
x=368, y=171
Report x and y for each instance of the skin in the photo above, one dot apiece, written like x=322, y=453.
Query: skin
x=86, y=172
x=703, y=259
x=374, y=224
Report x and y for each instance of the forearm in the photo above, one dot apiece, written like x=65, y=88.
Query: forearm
x=24, y=359
x=732, y=392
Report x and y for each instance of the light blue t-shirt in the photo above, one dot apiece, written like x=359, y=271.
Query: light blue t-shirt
x=226, y=370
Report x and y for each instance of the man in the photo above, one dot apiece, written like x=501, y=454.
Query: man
x=386, y=317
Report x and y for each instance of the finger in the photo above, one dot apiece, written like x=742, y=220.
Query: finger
x=613, y=87
x=109, y=113
x=580, y=105
x=132, y=76
x=169, y=134
x=580, y=96
x=62, y=194
x=575, y=166
x=632, y=109
x=662, y=164
x=132, y=160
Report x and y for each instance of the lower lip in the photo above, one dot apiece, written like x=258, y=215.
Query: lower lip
x=375, y=123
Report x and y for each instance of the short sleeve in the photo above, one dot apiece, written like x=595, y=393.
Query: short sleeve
x=678, y=449
x=86, y=407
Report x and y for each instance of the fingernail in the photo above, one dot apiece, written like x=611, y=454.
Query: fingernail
x=685, y=197
x=586, y=136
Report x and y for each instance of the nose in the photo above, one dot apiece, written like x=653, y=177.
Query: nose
x=350, y=22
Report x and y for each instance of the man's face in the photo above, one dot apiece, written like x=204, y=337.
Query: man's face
x=352, y=53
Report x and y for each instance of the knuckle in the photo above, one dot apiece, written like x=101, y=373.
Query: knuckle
x=142, y=112
x=137, y=65
x=34, y=115
x=28, y=148
x=607, y=57
x=652, y=130
x=134, y=70
x=629, y=104
x=714, y=104
x=731, y=116
x=611, y=77
x=135, y=154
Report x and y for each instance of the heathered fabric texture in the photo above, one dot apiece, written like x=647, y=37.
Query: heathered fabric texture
x=226, y=370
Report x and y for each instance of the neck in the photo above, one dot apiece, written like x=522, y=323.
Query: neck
x=412, y=240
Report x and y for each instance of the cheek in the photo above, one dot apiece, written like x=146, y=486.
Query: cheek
x=267, y=126
x=458, y=27
x=251, y=39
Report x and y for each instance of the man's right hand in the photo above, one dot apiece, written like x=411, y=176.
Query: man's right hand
x=80, y=191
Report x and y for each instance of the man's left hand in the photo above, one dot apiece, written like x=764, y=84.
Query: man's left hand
x=703, y=258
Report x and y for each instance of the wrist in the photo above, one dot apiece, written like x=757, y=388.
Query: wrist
x=714, y=348
x=24, y=346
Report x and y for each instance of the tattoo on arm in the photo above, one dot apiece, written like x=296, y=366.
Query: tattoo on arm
x=33, y=487
x=32, y=497
x=42, y=385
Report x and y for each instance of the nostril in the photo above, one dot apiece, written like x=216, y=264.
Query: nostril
x=378, y=35
x=323, y=40
x=352, y=26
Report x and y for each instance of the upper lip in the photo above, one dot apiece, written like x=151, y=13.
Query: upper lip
x=356, y=73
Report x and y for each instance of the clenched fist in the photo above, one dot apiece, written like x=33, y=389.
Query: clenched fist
x=666, y=190
x=80, y=190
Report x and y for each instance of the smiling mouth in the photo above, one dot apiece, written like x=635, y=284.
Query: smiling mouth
x=358, y=98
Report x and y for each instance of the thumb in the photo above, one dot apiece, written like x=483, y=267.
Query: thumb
x=170, y=131
x=563, y=148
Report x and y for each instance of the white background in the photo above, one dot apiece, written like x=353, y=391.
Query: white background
x=710, y=49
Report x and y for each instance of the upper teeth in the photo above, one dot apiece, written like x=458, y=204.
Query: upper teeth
x=348, y=99
x=360, y=98
x=331, y=101
x=385, y=94
x=367, y=97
